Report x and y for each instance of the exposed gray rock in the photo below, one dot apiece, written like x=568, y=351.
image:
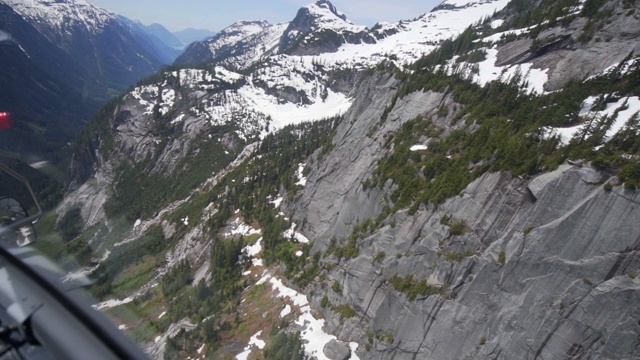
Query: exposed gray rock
x=547, y=269
x=91, y=195
x=571, y=258
x=336, y=350
x=567, y=58
x=335, y=200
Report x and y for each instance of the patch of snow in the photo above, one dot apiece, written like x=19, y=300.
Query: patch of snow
x=623, y=68
x=112, y=303
x=498, y=36
x=496, y=23
x=314, y=335
x=299, y=253
x=257, y=342
x=161, y=315
x=228, y=76
x=276, y=203
x=137, y=223
x=283, y=114
x=623, y=116
x=563, y=134
x=254, y=341
x=178, y=119
x=200, y=349
x=253, y=250
x=286, y=311
x=263, y=279
x=328, y=17
x=122, y=327
x=354, y=347
x=418, y=147
x=302, y=180
x=185, y=221
x=487, y=71
x=237, y=227
x=298, y=299
x=292, y=234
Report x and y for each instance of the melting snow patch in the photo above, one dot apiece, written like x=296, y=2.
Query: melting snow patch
x=286, y=311
x=313, y=336
x=498, y=36
x=302, y=180
x=122, y=327
x=623, y=116
x=239, y=228
x=263, y=279
x=200, y=349
x=163, y=314
x=138, y=222
x=112, y=303
x=299, y=253
x=254, y=341
x=354, y=346
x=488, y=71
x=418, y=147
x=178, y=119
x=252, y=251
x=276, y=203
x=185, y=221
x=292, y=234
x=284, y=114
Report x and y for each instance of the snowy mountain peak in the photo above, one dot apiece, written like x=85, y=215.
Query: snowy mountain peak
x=323, y=14
x=62, y=13
x=240, y=45
x=324, y=8
x=320, y=28
x=460, y=4
x=242, y=29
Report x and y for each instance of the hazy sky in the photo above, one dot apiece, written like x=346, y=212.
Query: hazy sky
x=218, y=14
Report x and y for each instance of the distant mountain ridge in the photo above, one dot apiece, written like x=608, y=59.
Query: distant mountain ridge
x=322, y=31
x=166, y=36
x=80, y=54
x=189, y=35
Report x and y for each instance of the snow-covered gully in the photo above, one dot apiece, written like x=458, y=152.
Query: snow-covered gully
x=312, y=333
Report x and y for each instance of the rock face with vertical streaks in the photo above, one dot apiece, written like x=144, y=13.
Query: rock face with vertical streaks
x=562, y=286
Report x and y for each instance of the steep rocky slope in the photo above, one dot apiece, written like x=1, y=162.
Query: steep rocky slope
x=540, y=267
x=543, y=267
x=480, y=203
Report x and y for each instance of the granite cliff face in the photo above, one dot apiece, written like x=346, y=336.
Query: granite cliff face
x=544, y=267
x=562, y=286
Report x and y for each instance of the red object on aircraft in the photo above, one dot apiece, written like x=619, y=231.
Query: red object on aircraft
x=5, y=121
